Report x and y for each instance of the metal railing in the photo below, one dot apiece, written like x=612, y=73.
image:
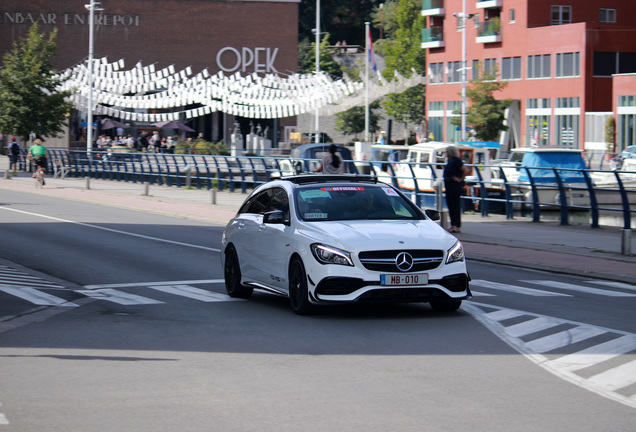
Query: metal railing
x=486, y=194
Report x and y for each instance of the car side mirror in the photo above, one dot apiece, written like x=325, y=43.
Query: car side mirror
x=433, y=214
x=275, y=217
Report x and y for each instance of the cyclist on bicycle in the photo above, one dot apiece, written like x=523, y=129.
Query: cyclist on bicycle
x=37, y=154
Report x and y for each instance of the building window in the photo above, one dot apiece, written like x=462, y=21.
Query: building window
x=538, y=115
x=566, y=113
x=540, y=66
x=561, y=15
x=609, y=63
x=453, y=72
x=626, y=101
x=567, y=64
x=435, y=121
x=436, y=73
x=512, y=16
x=453, y=109
x=538, y=130
x=511, y=68
x=487, y=66
x=538, y=104
x=626, y=130
x=572, y=102
x=607, y=15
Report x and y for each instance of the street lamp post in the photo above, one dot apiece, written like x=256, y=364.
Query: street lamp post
x=317, y=136
x=462, y=18
x=92, y=7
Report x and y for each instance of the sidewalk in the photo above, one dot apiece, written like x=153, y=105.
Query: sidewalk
x=574, y=249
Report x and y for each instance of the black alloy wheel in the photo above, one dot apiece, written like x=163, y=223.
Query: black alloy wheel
x=298, y=293
x=232, y=273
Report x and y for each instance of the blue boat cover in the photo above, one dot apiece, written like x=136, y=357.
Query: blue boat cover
x=479, y=144
x=568, y=160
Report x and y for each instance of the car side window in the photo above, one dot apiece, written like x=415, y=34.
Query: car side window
x=279, y=201
x=257, y=204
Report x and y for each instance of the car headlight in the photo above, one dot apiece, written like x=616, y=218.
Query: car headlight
x=455, y=254
x=330, y=255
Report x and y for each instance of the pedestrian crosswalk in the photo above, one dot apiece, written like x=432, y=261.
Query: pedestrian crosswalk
x=44, y=293
x=32, y=289
x=593, y=357
x=183, y=290
x=599, y=359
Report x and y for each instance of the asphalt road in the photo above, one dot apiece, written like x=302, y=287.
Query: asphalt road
x=149, y=341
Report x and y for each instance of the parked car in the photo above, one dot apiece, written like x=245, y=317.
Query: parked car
x=323, y=239
x=629, y=152
x=307, y=157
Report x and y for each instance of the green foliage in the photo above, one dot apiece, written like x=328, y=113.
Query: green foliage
x=29, y=99
x=307, y=57
x=351, y=121
x=201, y=147
x=485, y=114
x=344, y=19
x=403, y=50
x=407, y=107
x=610, y=134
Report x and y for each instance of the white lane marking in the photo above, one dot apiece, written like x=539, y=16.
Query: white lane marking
x=596, y=354
x=616, y=378
x=119, y=297
x=563, y=338
x=532, y=326
x=579, y=288
x=114, y=230
x=145, y=284
x=193, y=293
x=3, y=419
x=613, y=284
x=481, y=294
x=504, y=314
x=34, y=296
x=516, y=289
x=604, y=383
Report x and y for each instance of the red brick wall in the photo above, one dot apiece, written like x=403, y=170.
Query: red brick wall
x=164, y=32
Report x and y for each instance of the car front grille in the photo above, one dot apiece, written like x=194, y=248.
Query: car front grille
x=385, y=260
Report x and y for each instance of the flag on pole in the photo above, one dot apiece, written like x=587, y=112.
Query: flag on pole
x=371, y=53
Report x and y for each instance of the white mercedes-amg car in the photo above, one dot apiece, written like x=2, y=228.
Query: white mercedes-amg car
x=322, y=239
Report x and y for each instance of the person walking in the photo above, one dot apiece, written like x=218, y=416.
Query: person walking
x=454, y=173
x=331, y=162
x=14, y=155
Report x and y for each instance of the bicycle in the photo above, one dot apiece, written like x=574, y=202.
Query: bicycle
x=38, y=177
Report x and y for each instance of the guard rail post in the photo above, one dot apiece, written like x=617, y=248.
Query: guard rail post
x=563, y=199
x=439, y=203
x=626, y=242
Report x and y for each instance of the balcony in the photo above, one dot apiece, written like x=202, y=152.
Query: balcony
x=489, y=31
x=433, y=37
x=488, y=4
x=433, y=8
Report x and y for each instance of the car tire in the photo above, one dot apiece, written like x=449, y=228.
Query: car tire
x=232, y=274
x=446, y=306
x=298, y=292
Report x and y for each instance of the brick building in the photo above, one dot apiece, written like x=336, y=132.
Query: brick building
x=558, y=58
x=245, y=35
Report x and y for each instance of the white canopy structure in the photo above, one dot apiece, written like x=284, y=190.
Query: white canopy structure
x=129, y=94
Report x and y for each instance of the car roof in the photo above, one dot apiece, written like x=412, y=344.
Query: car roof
x=328, y=178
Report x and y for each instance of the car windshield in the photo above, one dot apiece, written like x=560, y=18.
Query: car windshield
x=351, y=202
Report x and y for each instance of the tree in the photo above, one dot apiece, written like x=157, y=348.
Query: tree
x=307, y=57
x=485, y=114
x=403, y=52
x=344, y=19
x=408, y=107
x=29, y=99
x=352, y=121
